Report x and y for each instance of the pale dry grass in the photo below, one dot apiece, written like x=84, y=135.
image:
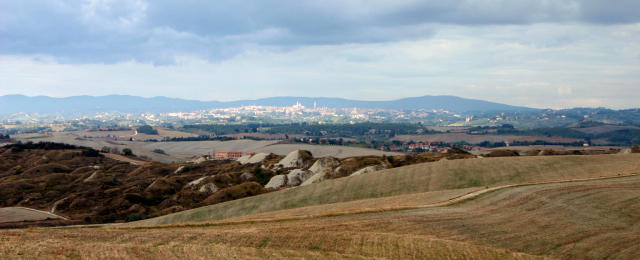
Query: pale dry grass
x=324, y=150
x=163, y=132
x=474, y=139
x=279, y=241
x=576, y=220
x=442, y=175
x=14, y=214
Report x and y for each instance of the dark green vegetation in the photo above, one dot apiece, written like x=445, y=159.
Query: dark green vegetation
x=502, y=153
x=147, y=129
x=325, y=130
x=375, y=134
x=127, y=152
x=199, y=138
x=587, y=130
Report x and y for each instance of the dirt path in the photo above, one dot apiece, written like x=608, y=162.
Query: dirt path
x=478, y=193
x=331, y=213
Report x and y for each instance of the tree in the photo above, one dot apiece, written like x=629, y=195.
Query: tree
x=147, y=129
x=127, y=152
x=160, y=151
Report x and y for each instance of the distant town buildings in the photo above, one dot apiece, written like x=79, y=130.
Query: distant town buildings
x=224, y=155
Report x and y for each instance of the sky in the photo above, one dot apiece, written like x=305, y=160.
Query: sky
x=537, y=53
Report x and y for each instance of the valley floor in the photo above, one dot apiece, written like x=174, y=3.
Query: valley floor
x=576, y=219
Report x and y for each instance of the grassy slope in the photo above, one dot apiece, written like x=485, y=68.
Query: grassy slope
x=242, y=242
x=14, y=214
x=590, y=219
x=576, y=220
x=415, y=179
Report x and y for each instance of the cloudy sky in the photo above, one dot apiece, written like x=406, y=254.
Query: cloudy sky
x=539, y=53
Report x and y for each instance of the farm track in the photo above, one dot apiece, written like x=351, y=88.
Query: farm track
x=410, y=186
x=330, y=213
x=579, y=218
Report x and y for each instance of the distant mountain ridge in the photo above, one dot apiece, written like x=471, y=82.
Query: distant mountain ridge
x=11, y=104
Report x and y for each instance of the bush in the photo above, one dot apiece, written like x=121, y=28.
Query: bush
x=111, y=218
x=502, y=153
x=127, y=152
x=89, y=152
x=159, y=151
x=135, y=217
x=635, y=149
x=147, y=129
x=262, y=176
x=456, y=150
x=246, y=189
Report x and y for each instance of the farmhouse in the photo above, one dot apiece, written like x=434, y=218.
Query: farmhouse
x=223, y=155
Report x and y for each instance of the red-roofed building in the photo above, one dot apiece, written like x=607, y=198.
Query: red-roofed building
x=223, y=155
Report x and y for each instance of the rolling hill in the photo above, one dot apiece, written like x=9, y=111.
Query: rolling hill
x=76, y=105
x=569, y=207
x=419, y=178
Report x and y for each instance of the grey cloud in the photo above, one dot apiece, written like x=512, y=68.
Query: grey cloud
x=158, y=31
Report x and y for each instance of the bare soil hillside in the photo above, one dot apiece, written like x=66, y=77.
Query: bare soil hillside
x=82, y=184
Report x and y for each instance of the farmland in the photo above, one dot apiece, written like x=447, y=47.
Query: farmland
x=527, y=207
x=182, y=151
x=438, y=176
x=583, y=219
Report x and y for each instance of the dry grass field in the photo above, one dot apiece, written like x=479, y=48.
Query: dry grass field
x=324, y=150
x=419, y=178
x=474, y=139
x=555, y=207
x=594, y=219
x=14, y=214
x=182, y=151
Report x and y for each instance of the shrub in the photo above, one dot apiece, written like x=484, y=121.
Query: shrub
x=111, y=218
x=502, y=153
x=147, y=129
x=89, y=152
x=127, y=152
x=159, y=151
x=456, y=150
x=135, y=217
x=263, y=176
x=246, y=189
